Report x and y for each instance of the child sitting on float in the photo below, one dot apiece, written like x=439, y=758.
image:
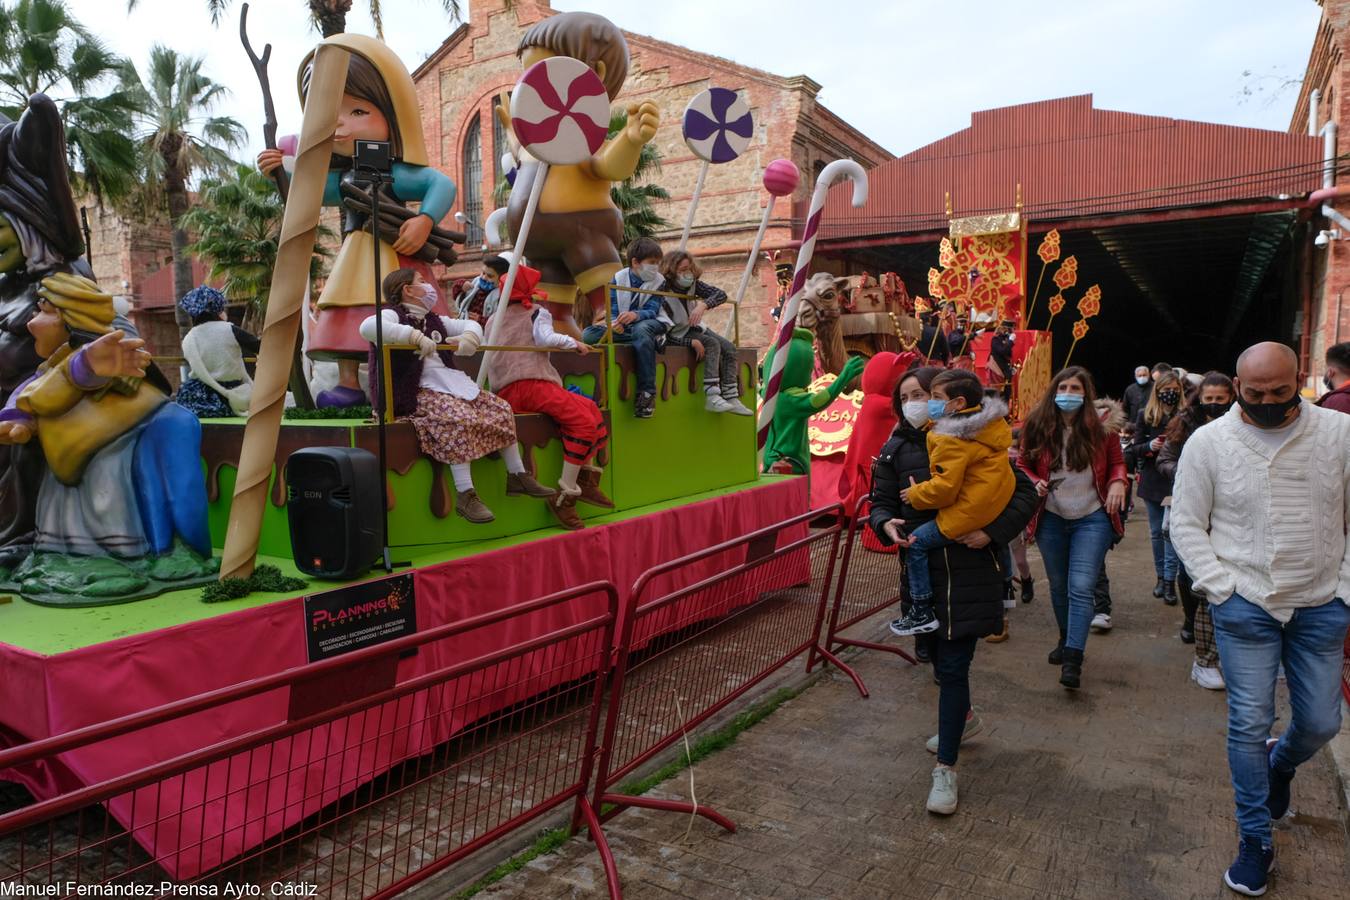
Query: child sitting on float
x=218, y=384
x=529, y=382
x=456, y=421
x=685, y=329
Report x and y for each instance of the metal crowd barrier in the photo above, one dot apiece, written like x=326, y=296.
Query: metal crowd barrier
x=868, y=582
x=361, y=786
x=374, y=793
x=686, y=652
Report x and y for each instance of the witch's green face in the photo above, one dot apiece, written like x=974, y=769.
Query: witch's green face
x=11, y=253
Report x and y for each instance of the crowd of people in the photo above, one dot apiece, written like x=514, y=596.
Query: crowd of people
x=1246, y=486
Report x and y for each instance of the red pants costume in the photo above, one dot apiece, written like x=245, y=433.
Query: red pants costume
x=578, y=419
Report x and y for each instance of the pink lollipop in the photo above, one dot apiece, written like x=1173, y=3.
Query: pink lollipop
x=781, y=178
x=560, y=111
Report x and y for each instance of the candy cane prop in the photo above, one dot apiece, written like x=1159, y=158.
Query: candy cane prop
x=781, y=178
x=840, y=168
x=717, y=129
x=290, y=285
x=560, y=115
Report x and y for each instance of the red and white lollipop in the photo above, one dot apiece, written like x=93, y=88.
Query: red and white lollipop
x=560, y=115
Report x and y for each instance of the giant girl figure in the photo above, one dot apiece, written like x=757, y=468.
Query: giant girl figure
x=379, y=103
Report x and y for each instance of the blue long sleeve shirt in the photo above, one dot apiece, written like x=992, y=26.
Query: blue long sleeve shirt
x=426, y=185
x=645, y=305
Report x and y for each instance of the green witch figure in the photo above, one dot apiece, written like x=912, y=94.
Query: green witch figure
x=379, y=103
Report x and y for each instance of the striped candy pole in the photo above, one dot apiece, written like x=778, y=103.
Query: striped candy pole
x=787, y=320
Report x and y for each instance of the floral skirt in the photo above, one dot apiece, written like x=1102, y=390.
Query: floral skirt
x=455, y=431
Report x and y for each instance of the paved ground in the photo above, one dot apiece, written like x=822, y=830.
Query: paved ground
x=1120, y=790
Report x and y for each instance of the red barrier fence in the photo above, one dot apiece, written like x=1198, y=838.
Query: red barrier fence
x=868, y=582
x=427, y=771
x=687, y=652
x=364, y=785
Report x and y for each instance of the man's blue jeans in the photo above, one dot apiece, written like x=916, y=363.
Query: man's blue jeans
x=926, y=537
x=1073, y=551
x=643, y=336
x=1252, y=645
x=1164, y=557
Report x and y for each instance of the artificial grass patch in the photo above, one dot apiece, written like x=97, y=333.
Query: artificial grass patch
x=295, y=413
x=265, y=578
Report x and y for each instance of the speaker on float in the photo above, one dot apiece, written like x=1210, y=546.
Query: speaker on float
x=333, y=506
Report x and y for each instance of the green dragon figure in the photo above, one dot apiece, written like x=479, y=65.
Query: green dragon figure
x=787, y=449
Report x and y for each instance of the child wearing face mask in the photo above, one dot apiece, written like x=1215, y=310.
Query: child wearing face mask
x=685, y=329
x=635, y=318
x=970, y=481
x=456, y=421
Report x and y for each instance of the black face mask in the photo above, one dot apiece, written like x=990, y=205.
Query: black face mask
x=1212, y=411
x=1170, y=398
x=1269, y=415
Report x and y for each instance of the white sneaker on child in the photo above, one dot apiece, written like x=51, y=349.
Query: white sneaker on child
x=738, y=408
x=716, y=404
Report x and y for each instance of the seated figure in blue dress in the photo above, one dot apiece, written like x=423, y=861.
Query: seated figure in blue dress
x=124, y=476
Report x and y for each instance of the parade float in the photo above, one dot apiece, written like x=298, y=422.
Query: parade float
x=331, y=533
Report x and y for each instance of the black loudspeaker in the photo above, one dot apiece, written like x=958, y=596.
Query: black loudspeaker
x=333, y=506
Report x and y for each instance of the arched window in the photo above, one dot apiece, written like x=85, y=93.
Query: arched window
x=471, y=184
x=499, y=142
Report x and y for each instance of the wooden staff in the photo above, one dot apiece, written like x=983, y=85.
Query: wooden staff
x=290, y=278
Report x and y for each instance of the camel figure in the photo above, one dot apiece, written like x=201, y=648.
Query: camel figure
x=819, y=313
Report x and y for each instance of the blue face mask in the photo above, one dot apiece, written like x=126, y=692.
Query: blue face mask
x=937, y=409
x=1069, y=402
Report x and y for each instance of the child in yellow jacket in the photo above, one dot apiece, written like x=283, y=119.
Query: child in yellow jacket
x=970, y=481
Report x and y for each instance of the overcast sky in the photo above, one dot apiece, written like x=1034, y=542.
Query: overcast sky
x=905, y=72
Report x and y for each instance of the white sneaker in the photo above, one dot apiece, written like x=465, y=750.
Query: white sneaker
x=738, y=408
x=1101, y=622
x=942, y=798
x=1207, y=678
x=974, y=725
x=716, y=404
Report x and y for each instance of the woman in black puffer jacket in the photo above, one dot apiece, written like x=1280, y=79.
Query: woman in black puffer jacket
x=968, y=577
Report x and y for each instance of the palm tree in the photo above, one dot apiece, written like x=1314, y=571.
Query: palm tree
x=237, y=223
x=179, y=140
x=44, y=49
x=329, y=16
x=633, y=197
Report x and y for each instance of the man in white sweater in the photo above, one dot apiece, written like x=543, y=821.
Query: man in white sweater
x=1259, y=514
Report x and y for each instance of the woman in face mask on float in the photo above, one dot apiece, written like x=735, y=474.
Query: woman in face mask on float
x=1214, y=400
x=1079, y=469
x=967, y=575
x=1150, y=433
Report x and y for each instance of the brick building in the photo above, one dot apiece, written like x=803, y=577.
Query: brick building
x=1323, y=108
x=461, y=82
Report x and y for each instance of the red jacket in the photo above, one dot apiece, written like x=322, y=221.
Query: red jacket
x=1338, y=399
x=1108, y=465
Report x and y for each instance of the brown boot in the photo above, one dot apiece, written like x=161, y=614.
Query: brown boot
x=589, y=482
x=564, y=507
x=1001, y=636
x=470, y=507
x=524, y=483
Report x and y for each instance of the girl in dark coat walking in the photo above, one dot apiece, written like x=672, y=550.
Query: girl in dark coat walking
x=1150, y=434
x=967, y=576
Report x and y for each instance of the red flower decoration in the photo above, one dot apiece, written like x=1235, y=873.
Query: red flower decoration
x=1049, y=249
x=1066, y=276
x=1080, y=329
x=1056, y=304
x=1091, y=304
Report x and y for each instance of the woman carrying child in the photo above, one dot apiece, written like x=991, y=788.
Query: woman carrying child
x=456, y=421
x=685, y=320
x=968, y=574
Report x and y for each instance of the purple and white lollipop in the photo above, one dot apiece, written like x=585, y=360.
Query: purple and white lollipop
x=560, y=111
x=718, y=125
